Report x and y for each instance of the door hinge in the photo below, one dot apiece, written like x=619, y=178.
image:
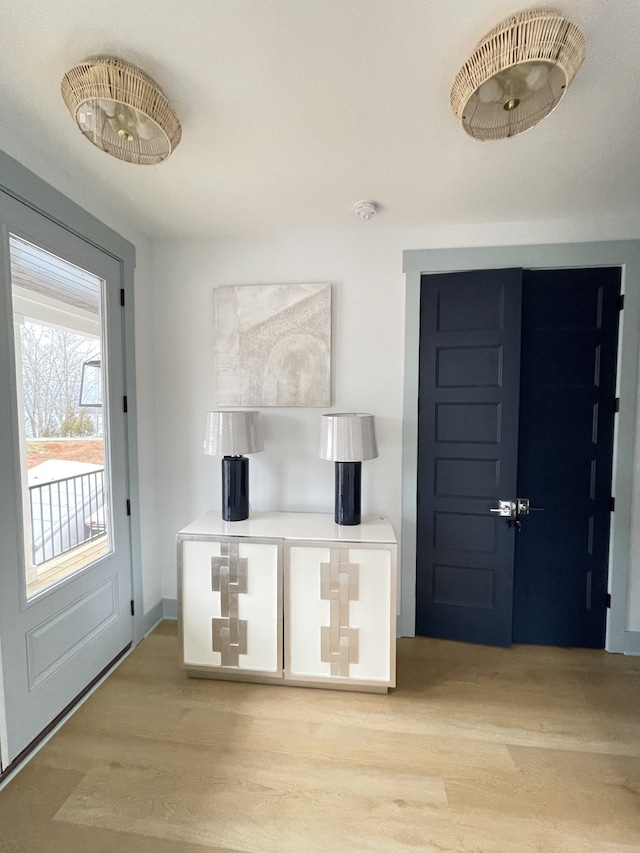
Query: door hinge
x=125, y=404
x=122, y=296
x=133, y=608
x=621, y=301
x=617, y=405
x=128, y=507
x=613, y=505
x=609, y=600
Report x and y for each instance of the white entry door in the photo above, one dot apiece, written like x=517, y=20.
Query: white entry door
x=65, y=556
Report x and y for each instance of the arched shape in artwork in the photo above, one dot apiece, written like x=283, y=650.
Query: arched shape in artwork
x=296, y=372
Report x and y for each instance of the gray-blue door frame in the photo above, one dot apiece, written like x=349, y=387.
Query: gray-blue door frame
x=625, y=254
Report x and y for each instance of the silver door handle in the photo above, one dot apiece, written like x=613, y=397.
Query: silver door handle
x=505, y=509
x=523, y=507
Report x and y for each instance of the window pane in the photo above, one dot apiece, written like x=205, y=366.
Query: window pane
x=62, y=411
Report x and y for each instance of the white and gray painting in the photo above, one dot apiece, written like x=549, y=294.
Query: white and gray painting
x=273, y=345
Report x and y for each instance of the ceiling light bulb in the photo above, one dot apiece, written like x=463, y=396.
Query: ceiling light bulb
x=108, y=107
x=490, y=92
x=145, y=127
x=124, y=123
x=537, y=77
x=515, y=87
x=86, y=117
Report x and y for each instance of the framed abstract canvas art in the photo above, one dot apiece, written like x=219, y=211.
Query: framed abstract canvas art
x=272, y=345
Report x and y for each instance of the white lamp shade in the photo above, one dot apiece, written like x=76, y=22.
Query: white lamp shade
x=348, y=437
x=232, y=433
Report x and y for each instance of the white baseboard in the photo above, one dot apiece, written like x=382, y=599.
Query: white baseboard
x=152, y=617
x=169, y=608
x=166, y=608
x=631, y=643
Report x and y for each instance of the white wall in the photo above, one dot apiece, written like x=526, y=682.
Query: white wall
x=145, y=301
x=364, y=266
x=368, y=305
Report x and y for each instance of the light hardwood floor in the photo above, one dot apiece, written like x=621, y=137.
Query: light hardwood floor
x=478, y=749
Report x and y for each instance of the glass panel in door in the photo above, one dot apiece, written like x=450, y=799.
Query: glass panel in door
x=62, y=414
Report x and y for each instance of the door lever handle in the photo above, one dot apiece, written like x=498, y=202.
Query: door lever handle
x=505, y=509
x=523, y=508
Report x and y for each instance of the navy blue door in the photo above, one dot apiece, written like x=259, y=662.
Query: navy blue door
x=567, y=410
x=486, y=434
x=467, y=453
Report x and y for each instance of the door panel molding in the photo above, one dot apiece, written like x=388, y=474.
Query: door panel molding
x=464, y=586
x=625, y=254
x=567, y=417
x=466, y=427
x=53, y=642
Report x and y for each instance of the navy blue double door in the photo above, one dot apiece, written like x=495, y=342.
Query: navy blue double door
x=516, y=402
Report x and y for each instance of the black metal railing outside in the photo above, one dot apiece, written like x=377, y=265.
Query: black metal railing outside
x=66, y=513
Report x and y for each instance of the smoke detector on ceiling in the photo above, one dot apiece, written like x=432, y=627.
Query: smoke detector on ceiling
x=365, y=209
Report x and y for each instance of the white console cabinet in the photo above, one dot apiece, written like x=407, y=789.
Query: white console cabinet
x=288, y=598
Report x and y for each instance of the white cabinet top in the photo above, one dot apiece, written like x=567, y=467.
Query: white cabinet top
x=293, y=525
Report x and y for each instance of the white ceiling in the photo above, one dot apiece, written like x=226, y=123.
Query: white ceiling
x=293, y=110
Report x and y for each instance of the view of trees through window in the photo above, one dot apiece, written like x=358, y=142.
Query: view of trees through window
x=52, y=361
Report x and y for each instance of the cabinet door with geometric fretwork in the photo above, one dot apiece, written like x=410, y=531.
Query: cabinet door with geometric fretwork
x=339, y=613
x=230, y=606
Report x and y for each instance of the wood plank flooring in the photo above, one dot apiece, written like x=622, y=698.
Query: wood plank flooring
x=478, y=750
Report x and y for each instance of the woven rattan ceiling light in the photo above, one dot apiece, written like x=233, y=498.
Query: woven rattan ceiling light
x=517, y=74
x=121, y=110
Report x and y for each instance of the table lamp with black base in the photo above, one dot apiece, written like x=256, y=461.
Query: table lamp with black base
x=348, y=439
x=231, y=434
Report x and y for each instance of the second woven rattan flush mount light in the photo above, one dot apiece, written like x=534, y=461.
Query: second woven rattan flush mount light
x=517, y=74
x=121, y=110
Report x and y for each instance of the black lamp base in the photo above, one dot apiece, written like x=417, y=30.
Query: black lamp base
x=348, y=478
x=235, y=488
